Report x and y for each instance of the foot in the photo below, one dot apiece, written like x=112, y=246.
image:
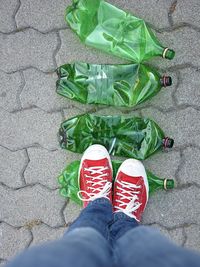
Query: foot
x=131, y=189
x=95, y=175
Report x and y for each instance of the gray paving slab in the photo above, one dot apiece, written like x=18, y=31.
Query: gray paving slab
x=39, y=90
x=28, y=48
x=183, y=12
x=12, y=165
x=187, y=92
x=71, y=212
x=189, y=171
x=13, y=240
x=193, y=237
x=42, y=15
x=8, y=9
x=29, y=127
x=10, y=88
x=169, y=209
x=175, y=235
x=45, y=166
x=43, y=233
x=23, y=206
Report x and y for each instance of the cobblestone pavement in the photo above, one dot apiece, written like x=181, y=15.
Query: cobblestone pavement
x=34, y=40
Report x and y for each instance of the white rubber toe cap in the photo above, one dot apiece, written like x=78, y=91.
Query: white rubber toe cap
x=96, y=152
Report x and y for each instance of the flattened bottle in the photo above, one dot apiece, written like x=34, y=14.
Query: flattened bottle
x=113, y=85
x=68, y=181
x=110, y=29
x=132, y=137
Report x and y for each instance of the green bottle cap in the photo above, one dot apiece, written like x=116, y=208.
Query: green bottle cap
x=168, y=184
x=168, y=53
x=166, y=81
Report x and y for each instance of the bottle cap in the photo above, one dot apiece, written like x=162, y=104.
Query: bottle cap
x=168, y=142
x=166, y=81
x=168, y=184
x=168, y=53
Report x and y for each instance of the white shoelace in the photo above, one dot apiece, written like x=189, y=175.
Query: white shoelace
x=104, y=186
x=128, y=193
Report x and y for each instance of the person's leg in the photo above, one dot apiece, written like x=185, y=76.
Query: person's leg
x=86, y=241
x=146, y=247
x=136, y=245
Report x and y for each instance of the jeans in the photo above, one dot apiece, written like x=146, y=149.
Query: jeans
x=99, y=238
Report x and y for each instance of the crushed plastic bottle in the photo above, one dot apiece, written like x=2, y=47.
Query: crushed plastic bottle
x=113, y=85
x=132, y=137
x=68, y=181
x=110, y=29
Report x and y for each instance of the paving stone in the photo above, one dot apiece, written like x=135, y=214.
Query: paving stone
x=188, y=89
x=73, y=50
x=45, y=166
x=27, y=48
x=175, y=235
x=187, y=12
x=43, y=233
x=21, y=207
x=11, y=167
x=13, y=240
x=183, y=125
x=161, y=164
x=185, y=42
x=189, y=172
x=42, y=15
x=10, y=87
x=7, y=10
x=147, y=9
x=71, y=212
x=193, y=237
x=28, y=128
x=40, y=91
x=169, y=208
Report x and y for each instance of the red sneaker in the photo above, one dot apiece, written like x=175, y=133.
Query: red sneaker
x=95, y=175
x=131, y=189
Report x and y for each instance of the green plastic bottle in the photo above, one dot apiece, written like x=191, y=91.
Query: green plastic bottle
x=68, y=181
x=106, y=27
x=113, y=85
x=129, y=137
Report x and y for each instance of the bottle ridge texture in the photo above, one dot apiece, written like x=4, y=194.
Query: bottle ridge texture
x=113, y=85
x=69, y=187
x=110, y=29
x=128, y=137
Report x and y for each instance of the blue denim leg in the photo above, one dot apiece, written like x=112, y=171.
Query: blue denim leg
x=98, y=215
x=146, y=247
x=85, y=244
x=82, y=247
x=120, y=225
